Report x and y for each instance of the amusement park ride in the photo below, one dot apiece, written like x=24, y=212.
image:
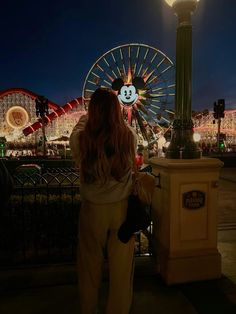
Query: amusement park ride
x=143, y=79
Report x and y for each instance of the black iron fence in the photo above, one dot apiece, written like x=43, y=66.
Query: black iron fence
x=39, y=225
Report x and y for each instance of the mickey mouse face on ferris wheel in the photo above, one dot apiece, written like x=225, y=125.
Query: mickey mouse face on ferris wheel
x=128, y=93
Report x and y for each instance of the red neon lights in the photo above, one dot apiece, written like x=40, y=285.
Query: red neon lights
x=53, y=115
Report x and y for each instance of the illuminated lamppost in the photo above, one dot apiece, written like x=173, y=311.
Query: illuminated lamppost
x=188, y=188
x=41, y=105
x=182, y=144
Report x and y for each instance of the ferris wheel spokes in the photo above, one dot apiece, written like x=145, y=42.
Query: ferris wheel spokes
x=143, y=72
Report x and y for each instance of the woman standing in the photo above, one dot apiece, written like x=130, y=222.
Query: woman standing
x=103, y=147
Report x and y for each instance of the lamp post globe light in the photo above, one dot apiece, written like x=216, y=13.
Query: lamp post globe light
x=182, y=144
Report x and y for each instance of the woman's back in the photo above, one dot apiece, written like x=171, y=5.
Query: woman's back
x=106, y=148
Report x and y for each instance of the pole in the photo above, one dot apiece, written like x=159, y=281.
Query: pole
x=41, y=104
x=43, y=141
x=182, y=144
x=218, y=135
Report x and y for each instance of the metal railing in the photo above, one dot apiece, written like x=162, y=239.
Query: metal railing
x=40, y=223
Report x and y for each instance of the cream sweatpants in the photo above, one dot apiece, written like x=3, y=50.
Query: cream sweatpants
x=98, y=227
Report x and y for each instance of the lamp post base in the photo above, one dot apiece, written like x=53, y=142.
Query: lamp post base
x=182, y=145
x=184, y=214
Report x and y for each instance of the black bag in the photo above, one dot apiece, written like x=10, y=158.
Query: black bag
x=138, y=218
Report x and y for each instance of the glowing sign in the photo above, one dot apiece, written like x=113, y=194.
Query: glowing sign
x=17, y=117
x=128, y=93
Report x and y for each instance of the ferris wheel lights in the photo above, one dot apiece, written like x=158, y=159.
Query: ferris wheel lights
x=142, y=78
x=173, y=2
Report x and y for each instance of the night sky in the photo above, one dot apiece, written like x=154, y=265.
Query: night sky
x=49, y=46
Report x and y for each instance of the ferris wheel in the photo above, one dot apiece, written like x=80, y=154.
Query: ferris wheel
x=143, y=79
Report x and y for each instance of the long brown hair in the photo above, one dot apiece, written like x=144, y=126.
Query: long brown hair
x=106, y=144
